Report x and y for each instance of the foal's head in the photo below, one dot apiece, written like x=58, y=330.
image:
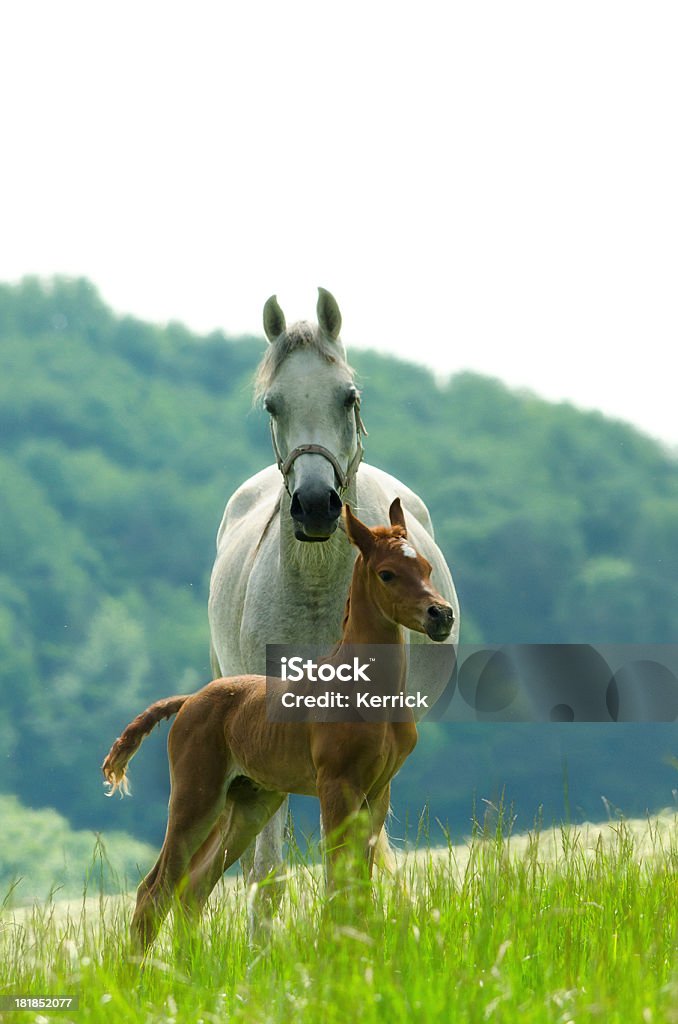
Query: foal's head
x=398, y=577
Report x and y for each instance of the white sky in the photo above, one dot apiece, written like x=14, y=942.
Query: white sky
x=482, y=185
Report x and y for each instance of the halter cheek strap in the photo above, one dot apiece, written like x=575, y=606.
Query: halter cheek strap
x=344, y=479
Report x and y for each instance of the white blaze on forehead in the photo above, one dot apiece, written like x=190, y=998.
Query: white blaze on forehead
x=408, y=550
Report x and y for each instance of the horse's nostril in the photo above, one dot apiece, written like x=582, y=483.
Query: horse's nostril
x=323, y=504
x=434, y=612
x=334, y=505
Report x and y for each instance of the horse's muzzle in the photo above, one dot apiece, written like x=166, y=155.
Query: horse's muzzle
x=315, y=512
x=439, y=622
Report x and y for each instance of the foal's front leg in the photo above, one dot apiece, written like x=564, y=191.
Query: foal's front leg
x=377, y=807
x=341, y=800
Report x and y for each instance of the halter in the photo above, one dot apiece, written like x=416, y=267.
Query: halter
x=344, y=479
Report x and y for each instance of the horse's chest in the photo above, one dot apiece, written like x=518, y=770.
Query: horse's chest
x=286, y=612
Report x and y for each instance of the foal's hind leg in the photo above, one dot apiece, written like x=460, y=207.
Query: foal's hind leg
x=246, y=812
x=154, y=895
x=199, y=776
x=206, y=866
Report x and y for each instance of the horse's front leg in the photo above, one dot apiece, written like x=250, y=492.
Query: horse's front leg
x=265, y=863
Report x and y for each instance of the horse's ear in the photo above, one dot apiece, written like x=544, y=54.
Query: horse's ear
x=396, y=514
x=358, y=533
x=274, y=319
x=329, y=317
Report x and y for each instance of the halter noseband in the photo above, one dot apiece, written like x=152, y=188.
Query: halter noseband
x=344, y=479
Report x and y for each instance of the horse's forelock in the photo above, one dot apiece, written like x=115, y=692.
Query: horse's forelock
x=301, y=335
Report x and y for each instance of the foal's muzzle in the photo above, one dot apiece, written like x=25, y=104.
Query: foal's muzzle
x=315, y=511
x=439, y=621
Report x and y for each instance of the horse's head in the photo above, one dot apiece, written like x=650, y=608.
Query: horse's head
x=309, y=392
x=398, y=577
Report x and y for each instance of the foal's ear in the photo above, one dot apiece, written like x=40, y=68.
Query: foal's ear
x=329, y=317
x=358, y=533
x=274, y=319
x=396, y=514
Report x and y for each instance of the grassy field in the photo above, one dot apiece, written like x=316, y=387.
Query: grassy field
x=574, y=924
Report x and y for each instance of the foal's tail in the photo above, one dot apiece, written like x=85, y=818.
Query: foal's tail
x=126, y=745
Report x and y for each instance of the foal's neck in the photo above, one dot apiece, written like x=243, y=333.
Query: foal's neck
x=364, y=622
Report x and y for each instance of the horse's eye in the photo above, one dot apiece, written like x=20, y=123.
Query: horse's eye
x=269, y=406
x=351, y=399
x=386, y=575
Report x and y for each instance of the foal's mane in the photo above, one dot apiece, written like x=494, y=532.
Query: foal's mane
x=302, y=335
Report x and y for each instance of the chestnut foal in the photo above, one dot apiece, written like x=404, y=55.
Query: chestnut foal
x=231, y=767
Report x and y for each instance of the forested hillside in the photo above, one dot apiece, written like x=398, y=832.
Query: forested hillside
x=122, y=442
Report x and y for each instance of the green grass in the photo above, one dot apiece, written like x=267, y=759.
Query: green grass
x=577, y=924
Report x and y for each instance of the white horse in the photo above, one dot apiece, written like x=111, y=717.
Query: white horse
x=283, y=569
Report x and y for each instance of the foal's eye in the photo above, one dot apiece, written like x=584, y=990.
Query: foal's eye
x=386, y=575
